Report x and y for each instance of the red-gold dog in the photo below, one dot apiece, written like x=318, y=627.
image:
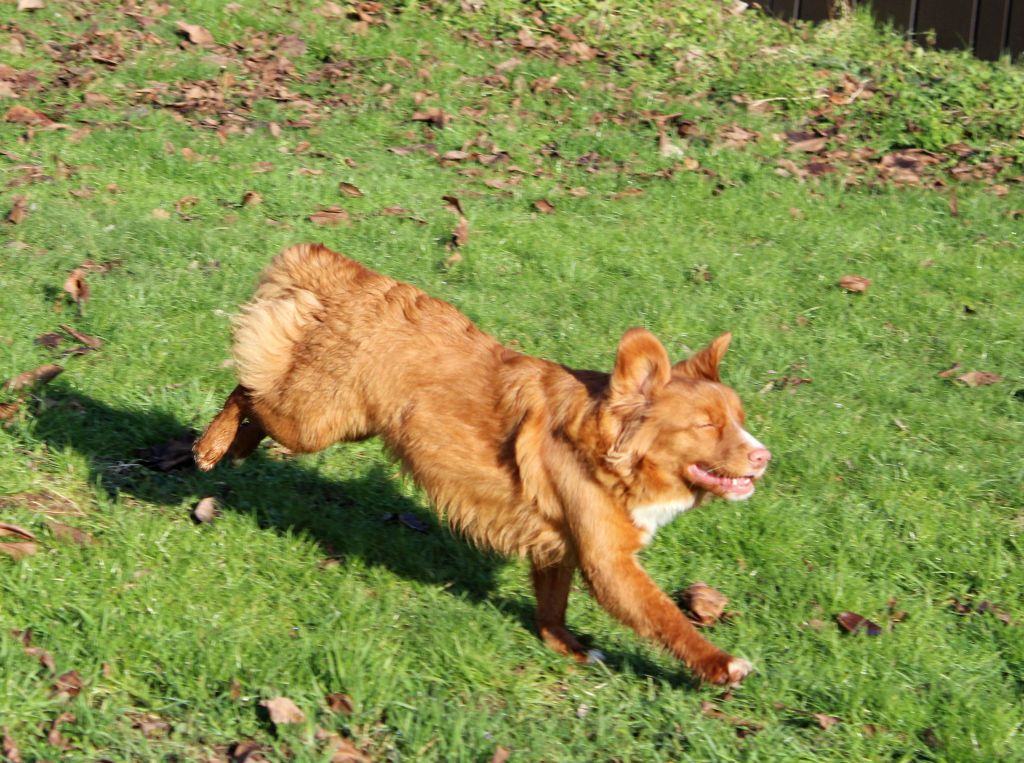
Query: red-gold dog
x=573, y=469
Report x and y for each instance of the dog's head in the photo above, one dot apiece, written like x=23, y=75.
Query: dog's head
x=675, y=432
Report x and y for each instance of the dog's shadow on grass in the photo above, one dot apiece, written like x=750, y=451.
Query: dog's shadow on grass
x=351, y=518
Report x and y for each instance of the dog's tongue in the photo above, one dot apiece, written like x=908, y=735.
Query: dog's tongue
x=719, y=485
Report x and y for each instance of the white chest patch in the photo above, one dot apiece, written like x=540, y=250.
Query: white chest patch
x=653, y=515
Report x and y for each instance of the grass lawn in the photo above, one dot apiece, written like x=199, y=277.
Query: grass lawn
x=703, y=171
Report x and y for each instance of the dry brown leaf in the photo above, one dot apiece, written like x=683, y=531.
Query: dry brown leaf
x=342, y=750
x=160, y=214
x=501, y=755
x=8, y=530
x=195, y=34
x=330, y=216
x=23, y=115
x=979, y=378
x=205, y=511
x=954, y=205
x=744, y=727
x=18, y=211
x=856, y=284
x=10, y=749
x=704, y=603
x=89, y=341
x=544, y=206
x=851, y=622
x=348, y=189
x=70, y=534
x=949, y=371
x=460, y=236
x=40, y=375
x=339, y=702
x=433, y=116
x=283, y=711
x=173, y=454
x=810, y=145
x=53, y=737
x=67, y=685
x=453, y=204
x=251, y=199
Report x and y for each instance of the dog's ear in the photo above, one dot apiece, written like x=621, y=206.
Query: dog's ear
x=704, y=364
x=641, y=367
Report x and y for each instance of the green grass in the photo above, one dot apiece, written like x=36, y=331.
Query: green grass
x=888, y=482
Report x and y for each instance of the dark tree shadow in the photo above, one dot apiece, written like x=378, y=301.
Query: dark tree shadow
x=288, y=496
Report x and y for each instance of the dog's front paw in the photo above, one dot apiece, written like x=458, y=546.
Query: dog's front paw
x=724, y=669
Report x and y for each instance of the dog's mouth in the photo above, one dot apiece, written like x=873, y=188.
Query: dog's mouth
x=732, y=488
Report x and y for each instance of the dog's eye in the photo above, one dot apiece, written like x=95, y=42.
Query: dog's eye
x=705, y=425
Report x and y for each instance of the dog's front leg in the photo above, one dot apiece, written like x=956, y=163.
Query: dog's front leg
x=606, y=543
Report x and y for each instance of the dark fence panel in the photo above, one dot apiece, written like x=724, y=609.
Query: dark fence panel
x=988, y=27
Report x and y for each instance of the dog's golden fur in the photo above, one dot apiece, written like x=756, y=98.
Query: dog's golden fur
x=572, y=469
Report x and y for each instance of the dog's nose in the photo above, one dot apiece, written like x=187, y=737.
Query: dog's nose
x=759, y=457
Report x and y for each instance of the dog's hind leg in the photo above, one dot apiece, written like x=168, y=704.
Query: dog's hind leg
x=551, y=586
x=226, y=433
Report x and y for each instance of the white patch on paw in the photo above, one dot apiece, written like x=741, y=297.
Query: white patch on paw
x=594, y=656
x=738, y=670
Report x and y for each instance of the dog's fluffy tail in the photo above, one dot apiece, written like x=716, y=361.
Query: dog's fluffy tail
x=290, y=297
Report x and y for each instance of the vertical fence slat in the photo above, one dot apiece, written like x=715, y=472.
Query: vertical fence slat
x=816, y=10
x=951, y=22
x=1015, y=33
x=990, y=34
x=897, y=12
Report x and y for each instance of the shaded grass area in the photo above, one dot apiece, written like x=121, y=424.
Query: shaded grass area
x=892, y=490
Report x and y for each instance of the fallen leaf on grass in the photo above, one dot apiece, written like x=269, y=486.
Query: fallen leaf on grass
x=76, y=287
x=10, y=749
x=70, y=534
x=744, y=728
x=544, y=206
x=160, y=214
x=40, y=375
x=949, y=371
x=50, y=340
x=341, y=750
x=954, y=205
x=856, y=284
x=339, y=702
x=151, y=726
x=434, y=117
x=31, y=5
x=851, y=622
x=18, y=211
x=460, y=236
x=23, y=115
x=825, y=722
x=403, y=213
x=330, y=216
x=979, y=378
x=283, y=711
x=175, y=453
x=195, y=34
x=89, y=341
x=44, y=657
x=348, y=189
x=44, y=502
x=205, y=511
x=245, y=752
x=24, y=546
x=453, y=204
x=981, y=608
x=251, y=199
x=501, y=755
x=67, y=685
x=704, y=604
x=53, y=737
x=408, y=519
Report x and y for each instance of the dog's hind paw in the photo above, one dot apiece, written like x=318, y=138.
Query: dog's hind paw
x=738, y=669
